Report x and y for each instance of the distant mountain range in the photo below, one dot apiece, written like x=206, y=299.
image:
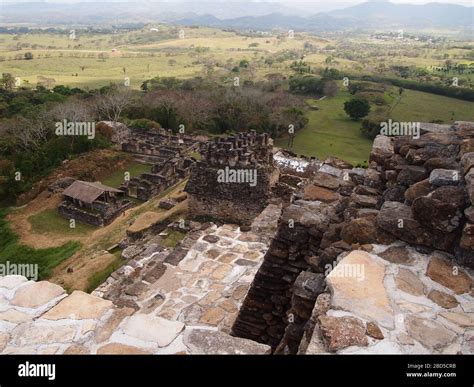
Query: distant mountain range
x=371, y=15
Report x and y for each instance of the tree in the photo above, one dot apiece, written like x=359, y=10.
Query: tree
x=333, y=74
x=8, y=81
x=73, y=110
x=306, y=85
x=330, y=88
x=28, y=133
x=301, y=67
x=110, y=104
x=356, y=108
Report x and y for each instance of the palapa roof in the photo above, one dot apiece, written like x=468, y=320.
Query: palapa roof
x=87, y=192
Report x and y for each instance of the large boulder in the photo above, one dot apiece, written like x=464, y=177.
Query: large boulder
x=470, y=184
x=440, y=139
x=342, y=332
x=373, y=179
x=364, y=201
x=382, y=149
x=467, y=146
x=435, y=212
x=422, y=188
x=467, y=239
x=395, y=161
x=469, y=214
x=315, y=193
x=449, y=275
x=326, y=180
x=411, y=174
x=430, y=333
x=395, y=194
x=440, y=163
x=337, y=163
x=397, y=219
x=440, y=177
x=207, y=342
x=429, y=151
x=357, y=286
x=363, y=231
x=467, y=161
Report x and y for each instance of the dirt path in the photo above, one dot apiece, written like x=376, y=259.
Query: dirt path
x=92, y=257
x=21, y=226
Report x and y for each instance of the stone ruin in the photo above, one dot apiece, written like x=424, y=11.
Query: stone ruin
x=235, y=202
x=93, y=203
x=412, y=211
x=163, y=175
x=158, y=145
x=169, y=155
x=375, y=260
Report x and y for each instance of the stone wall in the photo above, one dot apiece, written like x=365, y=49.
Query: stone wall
x=415, y=191
x=274, y=312
x=100, y=215
x=158, y=145
x=238, y=202
x=233, y=203
x=291, y=164
x=429, y=188
x=163, y=176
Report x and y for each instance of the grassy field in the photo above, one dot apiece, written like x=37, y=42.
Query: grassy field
x=50, y=222
x=95, y=60
x=14, y=252
x=117, y=177
x=425, y=107
x=330, y=132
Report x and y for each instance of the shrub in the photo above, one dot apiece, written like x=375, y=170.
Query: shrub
x=144, y=123
x=356, y=108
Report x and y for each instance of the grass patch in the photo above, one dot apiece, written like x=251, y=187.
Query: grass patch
x=46, y=259
x=196, y=155
x=426, y=107
x=117, y=178
x=173, y=238
x=98, y=278
x=330, y=132
x=50, y=222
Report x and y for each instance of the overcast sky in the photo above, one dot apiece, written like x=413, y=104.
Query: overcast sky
x=302, y=4
x=287, y=2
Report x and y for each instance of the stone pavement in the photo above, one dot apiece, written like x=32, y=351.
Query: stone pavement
x=207, y=286
x=40, y=318
x=188, y=308
x=394, y=300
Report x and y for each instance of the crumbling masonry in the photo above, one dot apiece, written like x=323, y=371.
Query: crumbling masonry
x=235, y=202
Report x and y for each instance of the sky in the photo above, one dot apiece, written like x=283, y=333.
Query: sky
x=310, y=5
x=286, y=2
